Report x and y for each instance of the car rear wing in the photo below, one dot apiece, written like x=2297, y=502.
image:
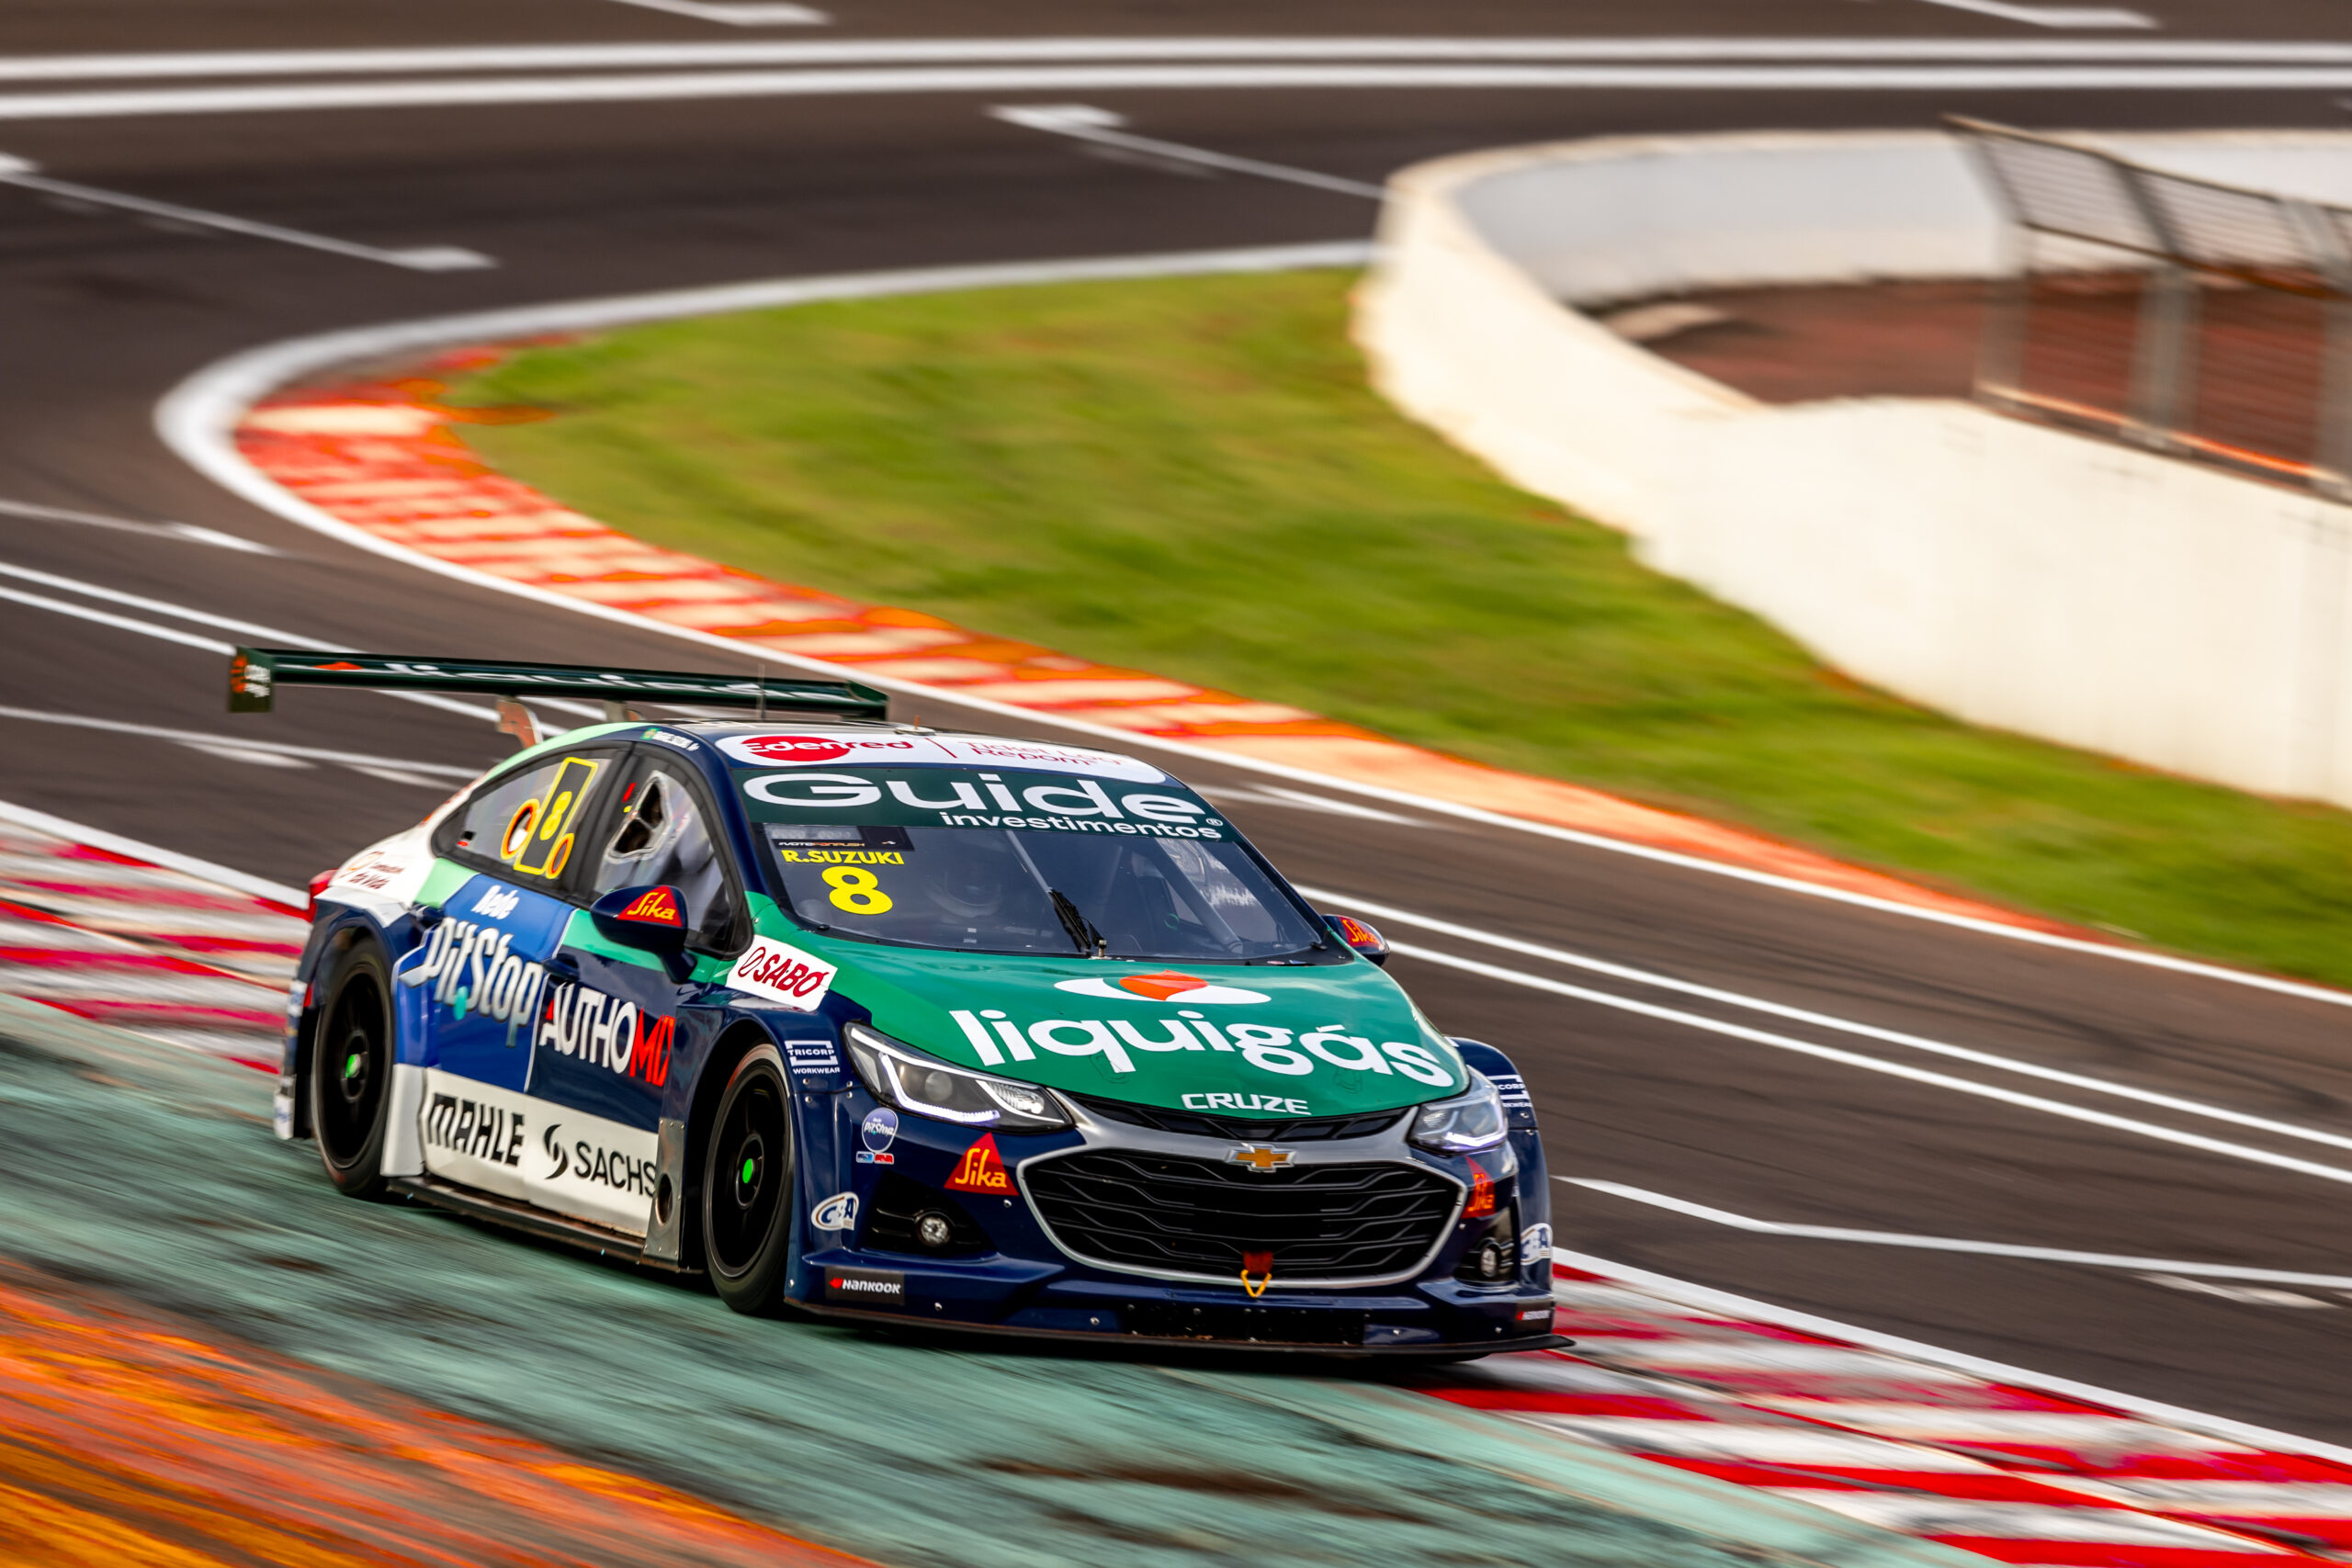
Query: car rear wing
x=255, y=674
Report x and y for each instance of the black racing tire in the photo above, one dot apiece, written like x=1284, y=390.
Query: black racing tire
x=747, y=1184
x=351, y=1070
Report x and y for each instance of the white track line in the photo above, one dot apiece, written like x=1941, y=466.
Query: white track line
x=1949, y=1244
x=187, y=532
x=198, y=420
x=207, y=619
x=1709, y=1300
x=739, y=13
x=238, y=743
x=1083, y=122
x=423, y=258
x=1390, y=913
x=441, y=59
x=2052, y=15
x=250, y=629
x=170, y=860
x=122, y=622
x=1879, y=1065
x=688, y=86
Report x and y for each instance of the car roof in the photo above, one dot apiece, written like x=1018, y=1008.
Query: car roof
x=908, y=746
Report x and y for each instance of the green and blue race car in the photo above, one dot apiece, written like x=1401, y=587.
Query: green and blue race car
x=873, y=1022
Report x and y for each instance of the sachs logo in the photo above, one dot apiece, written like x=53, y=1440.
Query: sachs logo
x=1167, y=986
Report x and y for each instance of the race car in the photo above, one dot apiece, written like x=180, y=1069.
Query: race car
x=879, y=1023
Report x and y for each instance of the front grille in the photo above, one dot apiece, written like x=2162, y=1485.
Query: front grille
x=1169, y=1214
x=1193, y=1123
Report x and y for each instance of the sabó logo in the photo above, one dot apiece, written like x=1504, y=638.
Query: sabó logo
x=782, y=973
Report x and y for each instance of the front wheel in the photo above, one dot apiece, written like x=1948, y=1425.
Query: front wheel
x=747, y=1184
x=351, y=1071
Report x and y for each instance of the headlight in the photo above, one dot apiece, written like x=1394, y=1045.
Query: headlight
x=898, y=1075
x=1463, y=1125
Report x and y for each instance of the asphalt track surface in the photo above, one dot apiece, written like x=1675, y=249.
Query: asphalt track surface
x=103, y=312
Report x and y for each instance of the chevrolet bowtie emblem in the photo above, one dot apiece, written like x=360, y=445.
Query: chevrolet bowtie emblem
x=1258, y=1159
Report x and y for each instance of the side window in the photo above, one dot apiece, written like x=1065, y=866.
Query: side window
x=664, y=835
x=526, y=825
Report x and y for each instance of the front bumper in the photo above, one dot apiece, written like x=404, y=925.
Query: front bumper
x=1009, y=1272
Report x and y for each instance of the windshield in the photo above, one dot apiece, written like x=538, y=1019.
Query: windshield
x=994, y=890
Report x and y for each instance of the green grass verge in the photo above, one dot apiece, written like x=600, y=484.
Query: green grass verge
x=1193, y=478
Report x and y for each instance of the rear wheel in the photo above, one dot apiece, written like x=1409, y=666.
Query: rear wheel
x=747, y=1184
x=351, y=1071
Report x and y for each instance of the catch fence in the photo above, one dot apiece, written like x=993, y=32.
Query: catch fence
x=2193, y=318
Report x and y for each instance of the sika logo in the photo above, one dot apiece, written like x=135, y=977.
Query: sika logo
x=981, y=1170
x=654, y=907
x=1164, y=987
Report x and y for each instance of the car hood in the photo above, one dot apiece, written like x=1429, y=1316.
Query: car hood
x=1322, y=1040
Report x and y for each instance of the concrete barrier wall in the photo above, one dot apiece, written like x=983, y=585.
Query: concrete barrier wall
x=2011, y=574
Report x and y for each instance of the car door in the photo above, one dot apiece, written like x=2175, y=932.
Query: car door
x=475, y=988
x=600, y=1056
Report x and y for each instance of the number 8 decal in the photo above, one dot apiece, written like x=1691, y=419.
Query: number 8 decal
x=856, y=890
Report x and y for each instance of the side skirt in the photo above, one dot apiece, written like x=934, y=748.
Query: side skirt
x=513, y=1215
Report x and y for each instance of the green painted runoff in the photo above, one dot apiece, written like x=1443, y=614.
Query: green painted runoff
x=148, y=1172
x=1193, y=476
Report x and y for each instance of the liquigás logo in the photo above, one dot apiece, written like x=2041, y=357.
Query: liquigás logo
x=606, y=1032
x=1270, y=1048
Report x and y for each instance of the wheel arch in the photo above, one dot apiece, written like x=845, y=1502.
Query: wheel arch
x=737, y=1038
x=330, y=940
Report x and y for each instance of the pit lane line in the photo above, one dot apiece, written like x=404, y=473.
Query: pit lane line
x=20, y=173
x=397, y=769
x=1952, y=1244
x=226, y=623
x=186, y=533
x=2052, y=15
x=688, y=87
x=196, y=420
x=1084, y=122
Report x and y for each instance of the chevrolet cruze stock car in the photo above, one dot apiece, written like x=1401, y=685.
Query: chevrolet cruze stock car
x=874, y=1022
